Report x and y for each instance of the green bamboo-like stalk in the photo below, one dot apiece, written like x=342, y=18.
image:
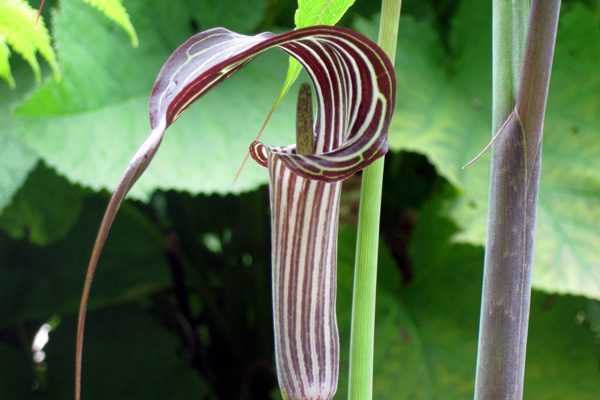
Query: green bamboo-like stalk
x=515, y=173
x=520, y=17
x=508, y=39
x=365, y=274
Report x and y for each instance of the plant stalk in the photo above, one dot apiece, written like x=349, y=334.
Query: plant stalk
x=515, y=174
x=362, y=336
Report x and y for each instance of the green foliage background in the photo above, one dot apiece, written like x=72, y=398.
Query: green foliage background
x=181, y=305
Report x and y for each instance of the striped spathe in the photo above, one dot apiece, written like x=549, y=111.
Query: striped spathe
x=355, y=90
x=304, y=225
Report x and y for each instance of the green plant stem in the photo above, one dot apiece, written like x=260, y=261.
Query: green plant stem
x=506, y=57
x=365, y=274
x=514, y=185
x=520, y=17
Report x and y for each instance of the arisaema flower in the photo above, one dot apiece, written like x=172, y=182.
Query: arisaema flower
x=355, y=87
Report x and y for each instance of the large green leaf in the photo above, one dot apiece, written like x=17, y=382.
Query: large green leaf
x=239, y=16
x=128, y=355
x=16, y=160
x=88, y=126
x=37, y=282
x=41, y=206
x=444, y=112
x=426, y=331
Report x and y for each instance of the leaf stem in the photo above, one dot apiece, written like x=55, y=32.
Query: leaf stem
x=514, y=185
x=365, y=275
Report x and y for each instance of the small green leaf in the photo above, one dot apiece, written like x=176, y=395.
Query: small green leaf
x=309, y=13
x=115, y=10
x=20, y=30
